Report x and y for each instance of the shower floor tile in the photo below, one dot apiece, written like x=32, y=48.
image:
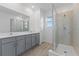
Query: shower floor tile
x=66, y=50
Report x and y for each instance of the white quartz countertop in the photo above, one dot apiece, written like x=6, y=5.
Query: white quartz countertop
x=6, y=35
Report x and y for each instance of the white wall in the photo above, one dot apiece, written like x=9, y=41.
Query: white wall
x=5, y=17
x=47, y=33
x=35, y=21
x=76, y=27
x=4, y=22
x=42, y=19
x=15, y=6
x=34, y=14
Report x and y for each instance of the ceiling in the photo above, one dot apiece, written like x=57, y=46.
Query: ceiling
x=63, y=6
x=48, y=6
x=45, y=8
x=42, y=6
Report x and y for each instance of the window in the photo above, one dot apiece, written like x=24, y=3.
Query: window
x=50, y=22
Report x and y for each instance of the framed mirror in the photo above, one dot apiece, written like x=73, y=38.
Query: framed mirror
x=19, y=24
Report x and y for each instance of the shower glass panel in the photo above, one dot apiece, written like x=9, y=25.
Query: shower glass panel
x=63, y=29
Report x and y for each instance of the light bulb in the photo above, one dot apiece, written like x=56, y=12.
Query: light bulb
x=32, y=6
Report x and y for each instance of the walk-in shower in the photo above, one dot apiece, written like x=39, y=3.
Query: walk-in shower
x=63, y=34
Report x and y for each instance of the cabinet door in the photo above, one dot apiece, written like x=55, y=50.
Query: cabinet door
x=9, y=49
x=33, y=40
x=37, y=38
x=20, y=46
x=28, y=42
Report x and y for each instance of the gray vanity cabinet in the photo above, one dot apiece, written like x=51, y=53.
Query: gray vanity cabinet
x=28, y=42
x=33, y=40
x=20, y=44
x=37, y=38
x=12, y=46
x=9, y=47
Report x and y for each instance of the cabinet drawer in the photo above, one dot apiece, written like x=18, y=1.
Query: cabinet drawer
x=19, y=37
x=6, y=40
x=28, y=36
x=33, y=35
